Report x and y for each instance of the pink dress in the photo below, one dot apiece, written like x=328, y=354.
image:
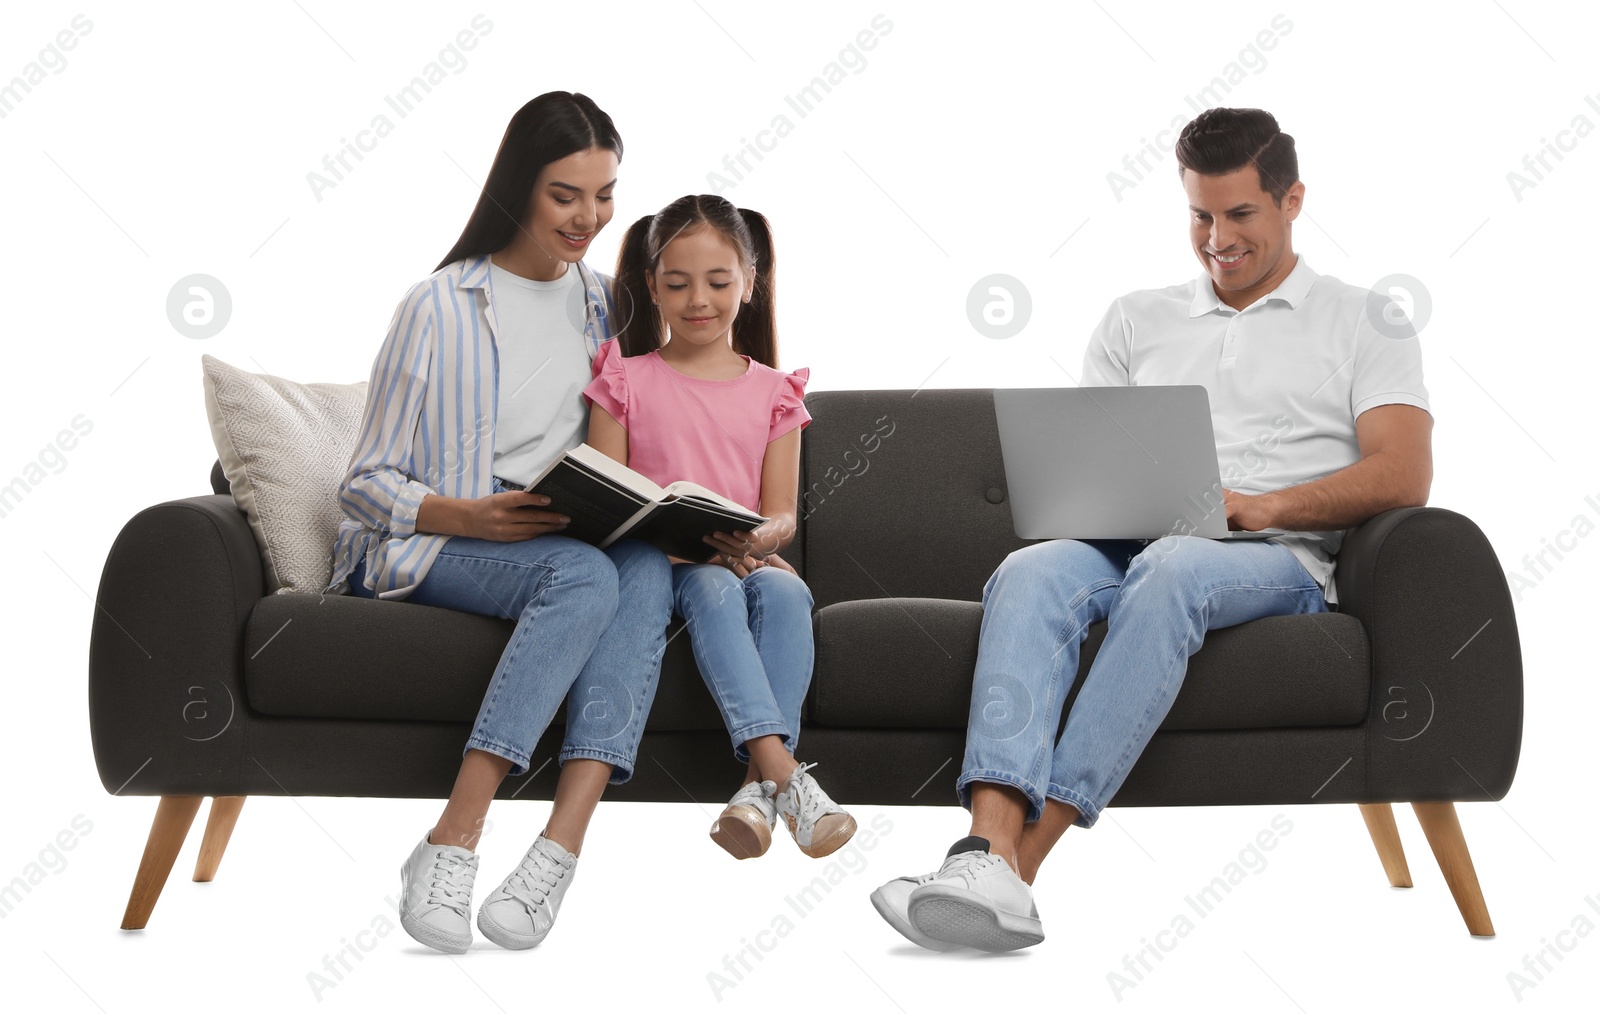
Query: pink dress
x=713, y=432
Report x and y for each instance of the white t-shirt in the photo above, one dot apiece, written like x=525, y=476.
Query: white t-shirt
x=1287, y=377
x=544, y=367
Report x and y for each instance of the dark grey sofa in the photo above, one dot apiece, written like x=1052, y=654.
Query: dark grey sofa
x=201, y=685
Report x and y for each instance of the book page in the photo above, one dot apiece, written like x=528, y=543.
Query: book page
x=616, y=471
x=608, y=468
x=684, y=487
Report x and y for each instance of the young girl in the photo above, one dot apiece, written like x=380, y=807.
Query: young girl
x=477, y=387
x=711, y=406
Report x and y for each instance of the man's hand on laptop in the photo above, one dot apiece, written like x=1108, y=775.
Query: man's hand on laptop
x=1248, y=512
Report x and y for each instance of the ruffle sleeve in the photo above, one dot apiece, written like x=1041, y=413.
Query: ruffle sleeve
x=609, y=388
x=789, y=409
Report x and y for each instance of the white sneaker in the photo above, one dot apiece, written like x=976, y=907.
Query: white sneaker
x=744, y=828
x=519, y=913
x=819, y=825
x=436, y=896
x=890, y=901
x=976, y=899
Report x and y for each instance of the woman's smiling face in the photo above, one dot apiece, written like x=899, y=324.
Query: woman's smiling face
x=571, y=203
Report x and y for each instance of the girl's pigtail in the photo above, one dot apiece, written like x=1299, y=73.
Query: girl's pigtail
x=640, y=328
x=755, y=330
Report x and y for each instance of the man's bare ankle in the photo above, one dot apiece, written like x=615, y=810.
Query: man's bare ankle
x=1006, y=850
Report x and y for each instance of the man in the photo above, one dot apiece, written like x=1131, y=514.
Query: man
x=1321, y=421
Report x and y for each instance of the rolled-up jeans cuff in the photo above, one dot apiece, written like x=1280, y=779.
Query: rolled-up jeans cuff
x=745, y=735
x=518, y=759
x=1088, y=812
x=621, y=767
x=1027, y=788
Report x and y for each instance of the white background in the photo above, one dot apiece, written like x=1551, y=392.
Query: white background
x=974, y=140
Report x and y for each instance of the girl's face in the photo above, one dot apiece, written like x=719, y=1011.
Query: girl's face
x=571, y=202
x=699, y=284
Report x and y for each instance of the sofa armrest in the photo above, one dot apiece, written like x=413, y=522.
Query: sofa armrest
x=1445, y=719
x=166, y=660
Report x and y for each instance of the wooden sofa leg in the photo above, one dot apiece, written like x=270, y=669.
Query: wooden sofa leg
x=1386, y=837
x=219, y=828
x=174, y=815
x=1439, y=823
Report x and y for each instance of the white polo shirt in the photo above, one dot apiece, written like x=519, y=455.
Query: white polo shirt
x=1287, y=377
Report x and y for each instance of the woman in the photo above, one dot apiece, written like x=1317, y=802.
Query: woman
x=475, y=389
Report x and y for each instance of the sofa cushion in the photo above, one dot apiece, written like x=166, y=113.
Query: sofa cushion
x=284, y=448
x=340, y=656
x=907, y=663
x=889, y=474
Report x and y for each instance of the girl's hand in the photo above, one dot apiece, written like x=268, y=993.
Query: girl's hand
x=764, y=542
x=513, y=516
x=744, y=566
x=730, y=545
x=778, y=563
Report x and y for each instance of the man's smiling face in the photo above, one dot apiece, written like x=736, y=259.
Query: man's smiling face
x=1240, y=234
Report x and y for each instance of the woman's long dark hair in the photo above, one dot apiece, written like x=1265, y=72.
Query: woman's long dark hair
x=545, y=130
x=755, y=329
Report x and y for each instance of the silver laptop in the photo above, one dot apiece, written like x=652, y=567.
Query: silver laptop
x=1112, y=463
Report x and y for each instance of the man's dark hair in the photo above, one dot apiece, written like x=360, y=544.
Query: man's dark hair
x=1222, y=140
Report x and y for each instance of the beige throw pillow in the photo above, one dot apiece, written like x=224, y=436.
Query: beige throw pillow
x=284, y=448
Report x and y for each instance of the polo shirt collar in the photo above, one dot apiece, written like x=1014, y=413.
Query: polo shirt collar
x=1291, y=290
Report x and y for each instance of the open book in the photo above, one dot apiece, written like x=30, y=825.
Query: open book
x=607, y=501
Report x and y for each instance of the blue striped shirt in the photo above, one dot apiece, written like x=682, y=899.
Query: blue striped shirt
x=429, y=420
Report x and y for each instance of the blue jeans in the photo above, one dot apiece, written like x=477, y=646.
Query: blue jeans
x=1158, y=600
x=591, y=629
x=752, y=643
